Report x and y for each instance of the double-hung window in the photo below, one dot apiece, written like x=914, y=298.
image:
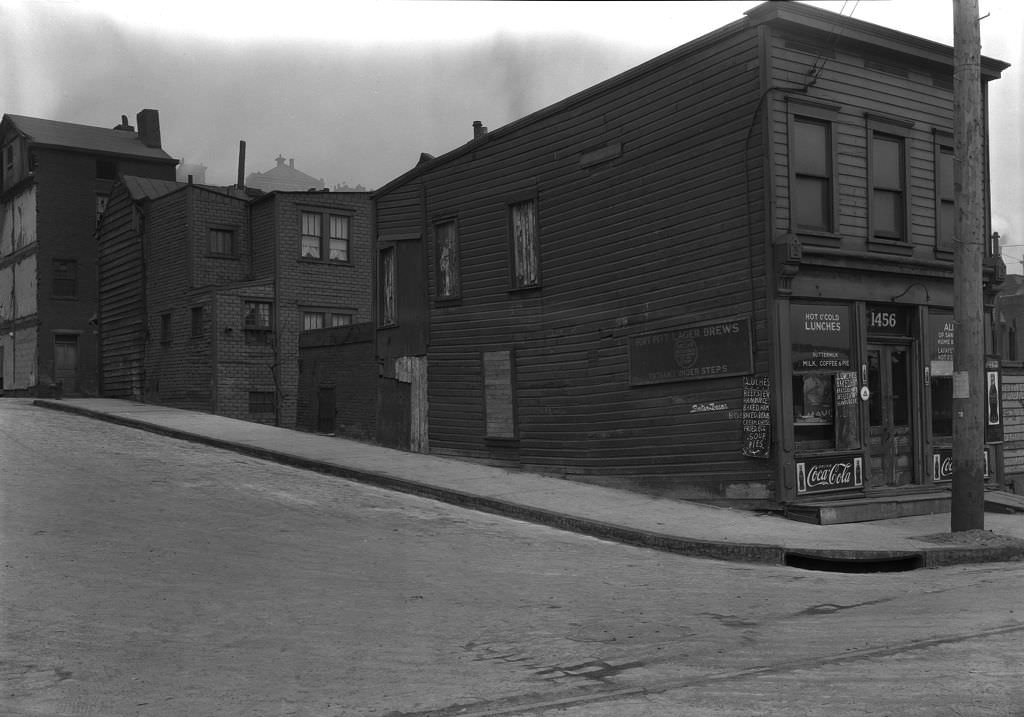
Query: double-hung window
x=888, y=183
x=812, y=195
x=221, y=242
x=65, y=278
x=311, y=235
x=257, y=321
x=945, y=224
x=335, y=246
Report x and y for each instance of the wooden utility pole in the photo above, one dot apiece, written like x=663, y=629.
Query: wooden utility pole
x=968, y=502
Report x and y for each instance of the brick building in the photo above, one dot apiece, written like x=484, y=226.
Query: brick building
x=56, y=179
x=205, y=291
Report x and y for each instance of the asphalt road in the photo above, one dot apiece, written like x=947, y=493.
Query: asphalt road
x=147, y=576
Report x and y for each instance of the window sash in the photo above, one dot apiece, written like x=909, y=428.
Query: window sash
x=257, y=315
x=888, y=186
x=221, y=241
x=311, y=235
x=341, y=320
x=198, y=314
x=65, y=278
x=337, y=249
x=312, y=320
x=812, y=175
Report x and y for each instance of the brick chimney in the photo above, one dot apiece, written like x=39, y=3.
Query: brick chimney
x=478, y=129
x=149, y=128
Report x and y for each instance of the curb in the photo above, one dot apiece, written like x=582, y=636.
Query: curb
x=824, y=559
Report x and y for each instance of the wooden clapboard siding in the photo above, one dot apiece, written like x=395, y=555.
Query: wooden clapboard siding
x=121, y=300
x=860, y=88
x=1013, y=424
x=654, y=238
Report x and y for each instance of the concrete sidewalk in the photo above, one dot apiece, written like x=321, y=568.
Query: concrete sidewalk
x=661, y=523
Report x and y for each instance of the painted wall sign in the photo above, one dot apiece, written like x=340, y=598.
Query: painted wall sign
x=820, y=337
x=699, y=351
x=822, y=475
x=757, y=416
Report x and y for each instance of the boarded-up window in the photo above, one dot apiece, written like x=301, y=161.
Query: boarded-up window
x=261, y=401
x=525, y=252
x=447, y=249
x=499, y=394
x=812, y=174
x=388, y=308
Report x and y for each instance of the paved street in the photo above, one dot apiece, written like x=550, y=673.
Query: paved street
x=142, y=575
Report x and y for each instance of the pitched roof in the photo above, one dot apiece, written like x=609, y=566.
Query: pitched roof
x=144, y=188
x=51, y=133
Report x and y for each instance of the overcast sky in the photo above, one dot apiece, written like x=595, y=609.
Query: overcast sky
x=355, y=91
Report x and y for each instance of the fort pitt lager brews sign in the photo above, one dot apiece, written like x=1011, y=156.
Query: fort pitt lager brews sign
x=821, y=337
x=689, y=353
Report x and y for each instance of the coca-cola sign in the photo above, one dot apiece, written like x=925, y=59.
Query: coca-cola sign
x=942, y=465
x=821, y=475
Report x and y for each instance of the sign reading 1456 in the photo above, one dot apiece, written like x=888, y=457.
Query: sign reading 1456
x=888, y=320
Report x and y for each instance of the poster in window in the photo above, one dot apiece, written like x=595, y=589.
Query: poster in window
x=756, y=416
x=820, y=337
x=847, y=410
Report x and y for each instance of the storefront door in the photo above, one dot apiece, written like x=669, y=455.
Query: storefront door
x=891, y=415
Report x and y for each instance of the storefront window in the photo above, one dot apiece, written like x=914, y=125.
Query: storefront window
x=940, y=368
x=824, y=387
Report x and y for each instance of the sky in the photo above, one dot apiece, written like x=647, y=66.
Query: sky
x=355, y=90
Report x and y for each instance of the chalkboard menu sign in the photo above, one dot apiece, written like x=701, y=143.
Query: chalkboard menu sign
x=690, y=353
x=756, y=416
x=847, y=412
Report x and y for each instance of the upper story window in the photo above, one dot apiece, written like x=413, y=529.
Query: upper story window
x=102, y=200
x=335, y=245
x=257, y=320
x=945, y=228
x=813, y=205
x=337, y=241
x=222, y=242
x=310, y=235
x=388, y=277
x=525, y=244
x=65, y=278
x=198, y=316
x=165, y=328
x=888, y=180
x=446, y=248
x=326, y=318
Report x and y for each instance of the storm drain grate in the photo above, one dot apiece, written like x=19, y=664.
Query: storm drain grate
x=898, y=564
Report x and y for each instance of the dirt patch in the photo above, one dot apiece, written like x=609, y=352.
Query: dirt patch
x=974, y=538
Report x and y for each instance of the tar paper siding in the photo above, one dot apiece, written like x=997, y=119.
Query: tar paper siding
x=122, y=299
x=650, y=218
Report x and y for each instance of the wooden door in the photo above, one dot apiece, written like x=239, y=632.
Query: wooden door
x=892, y=409
x=325, y=410
x=65, y=361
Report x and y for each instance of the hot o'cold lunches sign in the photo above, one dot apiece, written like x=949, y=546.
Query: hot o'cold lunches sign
x=820, y=338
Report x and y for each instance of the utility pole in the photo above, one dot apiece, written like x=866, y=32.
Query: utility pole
x=968, y=501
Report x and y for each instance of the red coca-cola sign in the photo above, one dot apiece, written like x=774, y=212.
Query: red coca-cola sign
x=821, y=475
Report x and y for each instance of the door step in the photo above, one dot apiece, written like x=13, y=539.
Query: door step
x=857, y=510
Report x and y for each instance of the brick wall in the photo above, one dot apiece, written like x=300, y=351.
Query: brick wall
x=341, y=359
x=213, y=210
x=241, y=367
x=311, y=284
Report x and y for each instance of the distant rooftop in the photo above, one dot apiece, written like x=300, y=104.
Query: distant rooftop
x=67, y=135
x=283, y=178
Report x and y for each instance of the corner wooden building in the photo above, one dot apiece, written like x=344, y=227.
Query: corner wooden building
x=723, y=275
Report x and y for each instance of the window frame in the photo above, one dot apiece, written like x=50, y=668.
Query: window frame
x=387, y=305
x=58, y=281
x=198, y=321
x=325, y=239
x=889, y=129
x=257, y=332
x=455, y=274
x=943, y=141
x=166, y=328
x=211, y=250
x=515, y=283
x=265, y=401
x=801, y=111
